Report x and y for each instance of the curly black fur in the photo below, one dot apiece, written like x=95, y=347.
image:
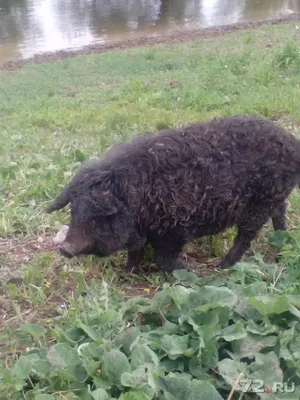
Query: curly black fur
x=176, y=185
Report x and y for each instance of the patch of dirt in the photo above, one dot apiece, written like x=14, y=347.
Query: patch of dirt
x=173, y=37
x=15, y=252
x=21, y=250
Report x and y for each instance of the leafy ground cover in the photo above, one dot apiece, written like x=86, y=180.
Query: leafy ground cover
x=55, y=116
x=192, y=340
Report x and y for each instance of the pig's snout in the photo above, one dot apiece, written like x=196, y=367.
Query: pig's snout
x=67, y=250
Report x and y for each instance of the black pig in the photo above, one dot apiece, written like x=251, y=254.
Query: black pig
x=168, y=188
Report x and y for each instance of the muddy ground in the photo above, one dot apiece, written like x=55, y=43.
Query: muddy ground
x=173, y=37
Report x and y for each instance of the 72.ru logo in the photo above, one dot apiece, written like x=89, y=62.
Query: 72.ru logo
x=259, y=386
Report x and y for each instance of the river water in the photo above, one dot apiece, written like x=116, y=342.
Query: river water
x=28, y=27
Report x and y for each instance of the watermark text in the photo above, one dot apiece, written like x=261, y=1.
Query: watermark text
x=259, y=386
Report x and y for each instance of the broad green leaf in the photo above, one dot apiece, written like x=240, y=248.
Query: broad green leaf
x=102, y=383
x=230, y=370
x=252, y=290
x=91, y=350
x=270, y=304
x=196, y=369
x=286, y=336
x=41, y=368
x=126, y=338
x=208, y=297
x=168, y=328
x=91, y=366
x=278, y=238
x=295, y=347
x=210, y=356
x=175, y=386
x=134, y=395
x=186, y=276
x=142, y=354
x=142, y=379
x=208, y=332
x=210, y=317
x=62, y=355
x=267, y=368
x=294, y=395
x=24, y=365
x=100, y=394
x=136, y=378
x=294, y=300
x=115, y=363
x=261, y=329
x=90, y=331
x=234, y=332
x=189, y=353
x=206, y=324
x=34, y=330
x=169, y=365
x=71, y=335
x=213, y=280
x=147, y=390
x=286, y=354
x=200, y=390
x=293, y=310
x=175, y=345
x=219, y=295
x=78, y=372
x=129, y=380
x=72, y=396
x=180, y=295
x=253, y=344
x=44, y=397
x=246, y=310
x=137, y=305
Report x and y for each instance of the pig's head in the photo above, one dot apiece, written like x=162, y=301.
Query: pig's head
x=100, y=225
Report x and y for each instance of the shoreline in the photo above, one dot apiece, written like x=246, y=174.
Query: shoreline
x=144, y=40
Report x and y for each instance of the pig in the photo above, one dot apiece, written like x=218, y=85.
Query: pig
x=170, y=187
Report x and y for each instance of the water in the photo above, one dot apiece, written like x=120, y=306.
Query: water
x=28, y=27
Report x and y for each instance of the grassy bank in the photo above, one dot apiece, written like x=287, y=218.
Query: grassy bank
x=55, y=116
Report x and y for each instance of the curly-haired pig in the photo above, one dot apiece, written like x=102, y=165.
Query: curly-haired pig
x=176, y=185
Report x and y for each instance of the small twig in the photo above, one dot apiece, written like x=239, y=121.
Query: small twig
x=66, y=392
x=278, y=276
x=241, y=396
x=163, y=317
x=30, y=381
x=234, y=386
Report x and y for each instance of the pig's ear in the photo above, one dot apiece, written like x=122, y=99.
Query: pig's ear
x=60, y=202
x=105, y=204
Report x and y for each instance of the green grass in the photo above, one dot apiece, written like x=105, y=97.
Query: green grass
x=53, y=117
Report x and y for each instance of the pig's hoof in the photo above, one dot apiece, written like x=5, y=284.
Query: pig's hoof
x=172, y=265
x=132, y=269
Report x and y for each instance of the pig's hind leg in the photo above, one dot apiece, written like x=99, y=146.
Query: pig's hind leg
x=134, y=259
x=167, y=251
x=279, y=217
x=248, y=228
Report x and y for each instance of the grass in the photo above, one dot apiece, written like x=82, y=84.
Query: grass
x=55, y=116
